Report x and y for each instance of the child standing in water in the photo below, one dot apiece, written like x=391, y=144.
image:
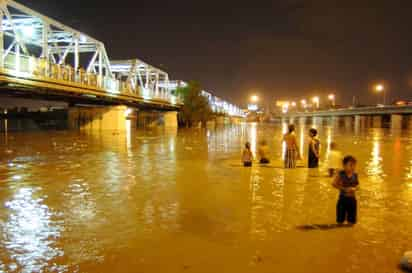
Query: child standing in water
x=247, y=156
x=314, y=149
x=334, y=159
x=347, y=183
x=264, y=152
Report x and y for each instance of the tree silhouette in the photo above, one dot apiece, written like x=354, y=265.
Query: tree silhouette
x=196, y=107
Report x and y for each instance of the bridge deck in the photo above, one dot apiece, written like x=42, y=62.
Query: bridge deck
x=385, y=110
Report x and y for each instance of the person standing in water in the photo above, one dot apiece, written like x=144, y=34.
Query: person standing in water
x=314, y=149
x=292, y=149
x=264, y=152
x=247, y=156
x=347, y=183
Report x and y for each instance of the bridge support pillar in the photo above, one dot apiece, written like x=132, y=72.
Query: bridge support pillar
x=396, y=121
x=170, y=119
x=360, y=121
x=220, y=120
x=99, y=118
x=302, y=121
x=316, y=122
x=377, y=121
x=348, y=122
x=235, y=120
x=334, y=121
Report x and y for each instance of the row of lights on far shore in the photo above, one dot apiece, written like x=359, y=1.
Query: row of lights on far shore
x=286, y=105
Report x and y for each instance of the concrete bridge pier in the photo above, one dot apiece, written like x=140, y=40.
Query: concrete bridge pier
x=222, y=120
x=99, y=118
x=377, y=121
x=316, y=122
x=302, y=121
x=361, y=121
x=348, y=122
x=170, y=119
x=151, y=119
x=118, y=118
x=235, y=120
x=334, y=121
x=396, y=121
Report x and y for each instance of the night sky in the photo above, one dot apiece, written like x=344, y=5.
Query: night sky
x=278, y=49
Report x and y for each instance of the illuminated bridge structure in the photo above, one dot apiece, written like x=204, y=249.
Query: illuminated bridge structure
x=369, y=116
x=43, y=58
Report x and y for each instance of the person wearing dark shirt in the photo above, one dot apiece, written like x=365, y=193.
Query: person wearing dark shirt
x=314, y=149
x=347, y=183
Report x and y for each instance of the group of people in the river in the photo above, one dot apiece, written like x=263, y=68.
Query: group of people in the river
x=343, y=169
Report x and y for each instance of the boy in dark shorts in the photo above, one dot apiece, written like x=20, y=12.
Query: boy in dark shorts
x=347, y=183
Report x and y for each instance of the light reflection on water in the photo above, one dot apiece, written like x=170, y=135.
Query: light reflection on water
x=29, y=234
x=180, y=200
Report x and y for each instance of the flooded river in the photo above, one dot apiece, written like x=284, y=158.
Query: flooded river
x=167, y=201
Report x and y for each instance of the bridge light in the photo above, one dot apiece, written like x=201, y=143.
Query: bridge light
x=27, y=31
x=254, y=98
x=83, y=38
x=128, y=112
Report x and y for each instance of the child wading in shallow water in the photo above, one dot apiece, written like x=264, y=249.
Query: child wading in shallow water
x=347, y=183
x=247, y=156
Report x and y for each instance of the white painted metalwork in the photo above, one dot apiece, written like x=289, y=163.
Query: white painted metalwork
x=36, y=47
x=143, y=79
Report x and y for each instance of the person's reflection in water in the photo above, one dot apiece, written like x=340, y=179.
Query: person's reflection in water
x=264, y=152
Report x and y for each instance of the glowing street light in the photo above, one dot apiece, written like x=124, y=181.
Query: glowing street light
x=380, y=88
x=316, y=101
x=254, y=98
x=332, y=98
x=293, y=104
x=304, y=103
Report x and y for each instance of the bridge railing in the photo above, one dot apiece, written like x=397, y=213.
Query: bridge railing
x=24, y=66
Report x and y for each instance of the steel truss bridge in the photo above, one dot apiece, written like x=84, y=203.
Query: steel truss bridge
x=41, y=56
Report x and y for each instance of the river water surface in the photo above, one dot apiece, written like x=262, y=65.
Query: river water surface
x=179, y=201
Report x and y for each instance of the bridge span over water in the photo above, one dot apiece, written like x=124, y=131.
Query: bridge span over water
x=397, y=116
x=43, y=58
